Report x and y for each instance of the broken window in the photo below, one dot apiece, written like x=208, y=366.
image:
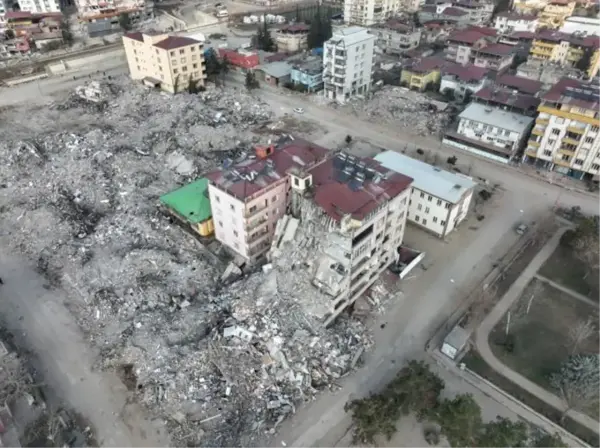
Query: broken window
x=362, y=235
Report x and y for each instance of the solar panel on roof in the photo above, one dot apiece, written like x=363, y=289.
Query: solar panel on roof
x=342, y=176
x=354, y=185
x=338, y=162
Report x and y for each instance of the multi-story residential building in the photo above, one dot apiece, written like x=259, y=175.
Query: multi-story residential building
x=348, y=63
x=461, y=79
x=461, y=43
x=92, y=10
x=3, y=10
x=548, y=73
x=510, y=22
x=521, y=85
x=292, y=38
x=529, y=6
x=422, y=73
x=439, y=200
x=566, y=49
x=566, y=138
x=480, y=11
x=248, y=199
x=395, y=37
x=491, y=132
x=508, y=99
x=309, y=73
x=410, y=6
x=555, y=13
x=369, y=12
x=39, y=6
x=497, y=57
x=587, y=26
x=169, y=62
x=444, y=13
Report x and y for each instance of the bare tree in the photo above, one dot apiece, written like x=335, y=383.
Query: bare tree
x=577, y=382
x=586, y=247
x=579, y=332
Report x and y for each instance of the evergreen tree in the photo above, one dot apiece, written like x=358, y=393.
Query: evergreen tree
x=125, y=22
x=264, y=40
x=251, y=81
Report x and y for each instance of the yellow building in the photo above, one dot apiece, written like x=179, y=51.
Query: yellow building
x=422, y=73
x=566, y=49
x=171, y=62
x=527, y=7
x=566, y=136
x=555, y=12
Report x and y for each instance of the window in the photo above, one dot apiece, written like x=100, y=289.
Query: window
x=232, y=207
x=172, y=53
x=192, y=48
x=594, y=128
x=274, y=198
x=447, y=205
x=156, y=50
x=252, y=209
x=419, y=207
x=138, y=67
x=422, y=194
x=220, y=223
x=194, y=57
x=566, y=158
x=160, y=68
x=555, y=131
x=174, y=62
x=589, y=140
x=426, y=209
x=578, y=162
x=194, y=65
x=181, y=51
x=595, y=166
x=416, y=218
x=434, y=219
x=183, y=60
x=442, y=222
x=235, y=233
x=547, y=152
x=196, y=74
x=410, y=202
x=184, y=68
x=551, y=142
x=175, y=71
x=439, y=202
x=217, y=198
x=429, y=198
x=296, y=182
x=135, y=52
x=424, y=222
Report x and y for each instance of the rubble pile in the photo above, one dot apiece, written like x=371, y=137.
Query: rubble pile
x=401, y=107
x=80, y=183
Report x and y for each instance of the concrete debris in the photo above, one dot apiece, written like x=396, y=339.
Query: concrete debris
x=403, y=108
x=80, y=183
x=91, y=91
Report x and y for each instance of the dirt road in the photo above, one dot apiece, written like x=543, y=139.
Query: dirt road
x=40, y=321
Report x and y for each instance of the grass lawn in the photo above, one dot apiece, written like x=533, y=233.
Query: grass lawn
x=540, y=338
x=564, y=268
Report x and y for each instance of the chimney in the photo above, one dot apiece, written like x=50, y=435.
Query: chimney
x=262, y=152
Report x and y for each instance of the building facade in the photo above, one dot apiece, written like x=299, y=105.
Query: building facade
x=309, y=74
x=395, y=37
x=369, y=12
x=39, y=6
x=555, y=13
x=348, y=63
x=422, y=73
x=170, y=62
x=462, y=79
x=588, y=26
x=461, y=44
x=510, y=22
x=439, y=200
x=491, y=132
x=497, y=57
x=292, y=38
x=566, y=138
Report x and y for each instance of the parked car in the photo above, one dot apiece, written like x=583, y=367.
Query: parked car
x=521, y=229
x=298, y=110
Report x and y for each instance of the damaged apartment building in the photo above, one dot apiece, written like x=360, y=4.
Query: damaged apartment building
x=329, y=224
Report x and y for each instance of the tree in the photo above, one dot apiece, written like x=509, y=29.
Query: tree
x=176, y=84
x=348, y=139
x=586, y=245
x=320, y=30
x=264, y=40
x=414, y=389
x=9, y=34
x=460, y=419
x=251, y=81
x=545, y=440
x=451, y=160
x=577, y=383
x=65, y=28
x=579, y=332
x=503, y=432
x=193, y=86
x=125, y=22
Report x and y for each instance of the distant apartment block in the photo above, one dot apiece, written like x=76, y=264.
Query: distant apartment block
x=547, y=73
x=439, y=200
x=491, y=132
x=566, y=138
x=586, y=26
x=39, y=6
x=461, y=44
x=168, y=62
x=292, y=38
x=511, y=22
x=348, y=63
x=422, y=73
x=480, y=11
x=395, y=37
x=369, y=12
x=497, y=57
x=508, y=98
x=555, y=13
x=461, y=79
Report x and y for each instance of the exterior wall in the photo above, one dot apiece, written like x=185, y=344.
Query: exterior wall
x=491, y=135
x=436, y=215
x=312, y=81
x=173, y=68
x=205, y=228
x=291, y=43
x=347, y=69
x=419, y=81
x=563, y=140
x=586, y=25
x=247, y=227
x=369, y=12
x=38, y=6
x=460, y=87
x=493, y=63
x=553, y=16
x=396, y=43
x=507, y=25
x=564, y=54
x=458, y=53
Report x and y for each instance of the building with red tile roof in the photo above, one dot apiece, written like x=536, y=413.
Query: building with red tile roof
x=508, y=99
x=522, y=85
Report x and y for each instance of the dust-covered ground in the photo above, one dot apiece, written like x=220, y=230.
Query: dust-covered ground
x=80, y=181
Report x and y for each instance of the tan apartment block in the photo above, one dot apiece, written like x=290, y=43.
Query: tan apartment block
x=168, y=62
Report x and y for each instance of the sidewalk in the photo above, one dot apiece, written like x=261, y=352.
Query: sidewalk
x=568, y=291
x=482, y=335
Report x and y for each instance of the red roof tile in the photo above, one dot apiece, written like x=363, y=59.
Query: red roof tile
x=512, y=15
x=466, y=37
x=29, y=15
x=496, y=49
x=484, y=30
x=526, y=35
x=575, y=93
x=466, y=73
x=253, y=175
x=135, y=36
x=523, y=85
x=427, y=64
x=337, y=197
x=507, y=97
x=173, y=42
x=454, y=12
x=295, y=28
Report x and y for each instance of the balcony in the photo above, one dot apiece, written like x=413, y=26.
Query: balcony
x=533, y=143
x=560, y=161
x=260, y=240
x=571, y=141
x=531, y=152
x=577, y=128
x=566, y=151
x=539, y=130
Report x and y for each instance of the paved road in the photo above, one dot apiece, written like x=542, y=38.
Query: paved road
x=40, y=321
x=483, y=332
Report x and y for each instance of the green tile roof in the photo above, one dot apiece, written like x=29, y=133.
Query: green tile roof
x=190, y=201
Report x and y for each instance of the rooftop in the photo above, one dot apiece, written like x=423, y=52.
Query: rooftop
x=427, y=178
x=497, y=117
x=29, y=15
x=348, y=185
x=173, y=42
x=135, y=35
x=525, y=35
x=252, y=175
x=512, y=15
x=398, y=26
x=295, y=28
x=466, y=73
x=496, y=49
x=507, y=97
x=575, y=39
x=351, y=35
x=466, y=36
x=312, y=66
x=277, y=69
x=454, y=12
x=424, y=65
x=523, y=85
x=190, y=201
x=575, y=93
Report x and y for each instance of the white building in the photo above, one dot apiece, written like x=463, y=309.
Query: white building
x=439, y=199
x=584, y=25
x=511, y=22
x=3, y=9
x=348, y=63
x=39, y=6
x=369, y=12
x=490, y=132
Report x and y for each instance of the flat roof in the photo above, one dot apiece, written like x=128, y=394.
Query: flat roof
x=190, y=201
x=351, y=35
x=277, y=69
x=497, y=117
x=174, y=42
x=430, y=179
